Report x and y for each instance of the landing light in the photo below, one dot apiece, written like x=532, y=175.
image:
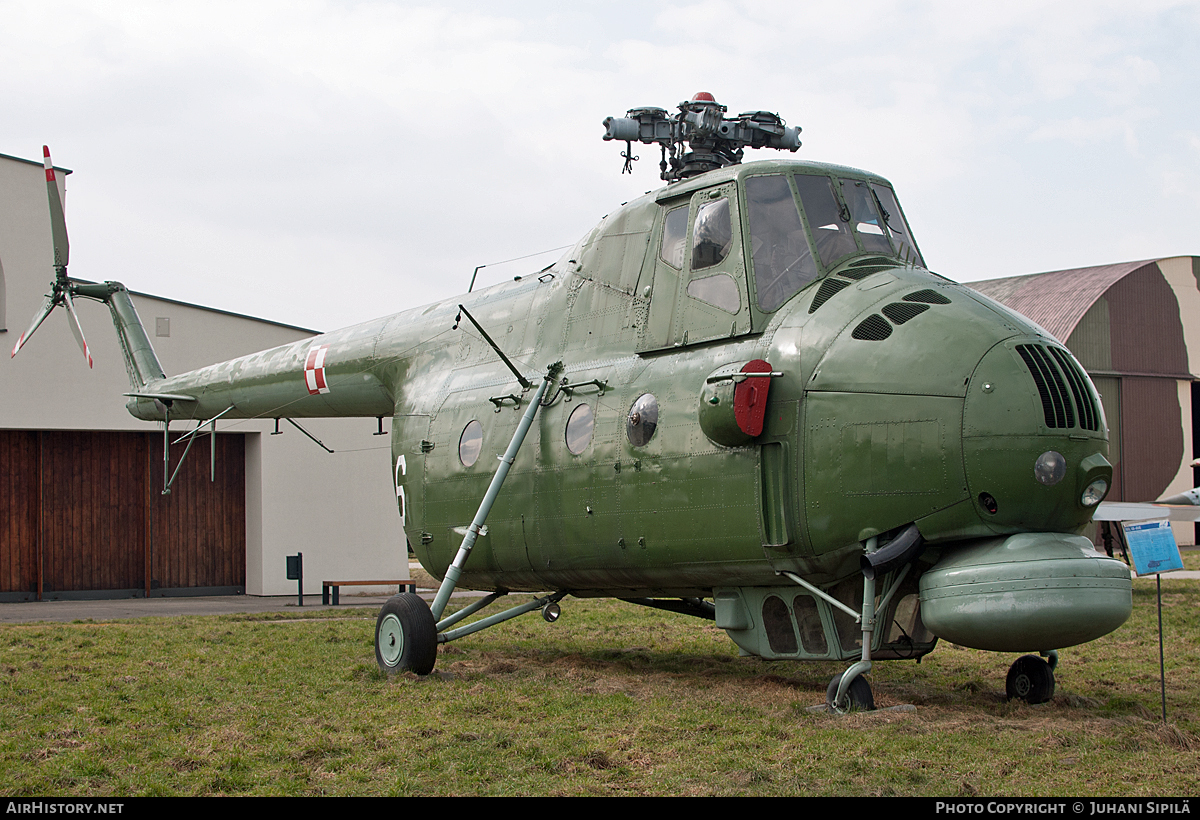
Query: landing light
x=1094, y=493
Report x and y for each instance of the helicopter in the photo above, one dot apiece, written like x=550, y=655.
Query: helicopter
x=742, y=397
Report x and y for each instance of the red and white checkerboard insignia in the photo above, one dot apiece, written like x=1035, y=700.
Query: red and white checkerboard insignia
x=314, y=370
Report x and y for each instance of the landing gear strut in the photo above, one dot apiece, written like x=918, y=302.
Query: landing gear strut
x=408, y=630
x=850, y=689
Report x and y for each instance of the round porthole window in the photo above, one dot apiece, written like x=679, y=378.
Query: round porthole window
x=642, y=420
x=470, y=443
x=580, y=427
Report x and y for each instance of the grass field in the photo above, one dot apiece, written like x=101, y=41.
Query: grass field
x=611, y=700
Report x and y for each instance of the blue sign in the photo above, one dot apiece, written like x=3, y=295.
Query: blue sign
x=1152, y=547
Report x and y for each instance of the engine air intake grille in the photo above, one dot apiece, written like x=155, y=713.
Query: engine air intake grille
x=874, y=328
x=874, y=260
x=1089, y=416
x=931, y=297
x=1062, y=386
x=828, y=289
x=901, y=312
x=864, y=272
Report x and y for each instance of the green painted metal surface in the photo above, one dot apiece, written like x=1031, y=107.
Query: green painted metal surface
x=1025, y=593
x=903, y=398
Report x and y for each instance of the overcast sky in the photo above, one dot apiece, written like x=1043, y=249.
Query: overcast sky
x=322, y=163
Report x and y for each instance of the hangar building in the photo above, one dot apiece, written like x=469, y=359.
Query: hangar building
x=82, y=512
x=1135, y=328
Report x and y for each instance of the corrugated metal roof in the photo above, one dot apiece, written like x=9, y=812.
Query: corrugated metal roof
x=1057, y=300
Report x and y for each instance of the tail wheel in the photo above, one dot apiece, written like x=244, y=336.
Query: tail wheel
x=857, y=698
x=1030, y=679
x=406, y=635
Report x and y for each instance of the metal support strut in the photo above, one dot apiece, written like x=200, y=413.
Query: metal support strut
x=191, y=438
x=868, y=620
x=491, y=620
x=489, y=498
x=866, y=617
x=868, y=630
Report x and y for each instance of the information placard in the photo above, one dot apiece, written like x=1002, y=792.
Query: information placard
x=1152, y=547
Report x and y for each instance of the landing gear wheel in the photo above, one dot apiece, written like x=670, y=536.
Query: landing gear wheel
x=406, y=635
x=1030, y=679
x=858, y=696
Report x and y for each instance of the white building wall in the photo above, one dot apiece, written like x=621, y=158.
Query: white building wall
x=339, y=509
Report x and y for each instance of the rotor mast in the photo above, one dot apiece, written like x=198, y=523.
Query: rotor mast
x=700, y=137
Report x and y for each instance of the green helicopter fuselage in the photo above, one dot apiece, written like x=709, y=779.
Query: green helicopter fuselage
x=892, y=396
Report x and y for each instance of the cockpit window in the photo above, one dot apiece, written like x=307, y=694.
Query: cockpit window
x=712, y=234
x=864, y=215
x=674, y=237
x=893, y=218
x=828, y=219
x=779, y=249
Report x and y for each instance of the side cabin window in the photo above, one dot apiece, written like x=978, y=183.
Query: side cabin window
x=711, y=240
x=779, y=252
x=712, y=297
x=699, y=286
x=712, y=235
x=674, y=237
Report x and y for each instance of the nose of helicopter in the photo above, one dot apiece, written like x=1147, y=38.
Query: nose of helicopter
x=1034, y=446
x=1034, y=439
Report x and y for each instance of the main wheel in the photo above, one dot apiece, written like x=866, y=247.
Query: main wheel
x=858, y=696
x=1030, y=679
x=406, y=635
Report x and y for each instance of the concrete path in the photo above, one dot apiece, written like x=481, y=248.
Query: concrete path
x=165, y=607
x=109, y=610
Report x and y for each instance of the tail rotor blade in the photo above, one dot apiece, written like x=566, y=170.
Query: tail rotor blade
x=58, y=221
x=37, y=321
x=61, y=286
x=77, y=328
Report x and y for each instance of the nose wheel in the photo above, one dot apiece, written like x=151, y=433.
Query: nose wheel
x=1030, y=679
x=858, y=696
x=406, y=636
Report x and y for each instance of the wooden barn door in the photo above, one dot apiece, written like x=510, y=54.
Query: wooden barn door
x=83, y=512
x=199, y=538
x=20, y=491
x=93, y=510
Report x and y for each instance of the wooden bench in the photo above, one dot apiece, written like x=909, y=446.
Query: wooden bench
x=328, y=585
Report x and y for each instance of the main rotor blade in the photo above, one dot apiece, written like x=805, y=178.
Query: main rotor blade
x=37, y=321
x=58, y=221
x=77, y=328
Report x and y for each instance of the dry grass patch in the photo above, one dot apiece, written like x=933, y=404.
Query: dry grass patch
x=611, y=700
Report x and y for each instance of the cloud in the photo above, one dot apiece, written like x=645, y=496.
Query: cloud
x=249, y=155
